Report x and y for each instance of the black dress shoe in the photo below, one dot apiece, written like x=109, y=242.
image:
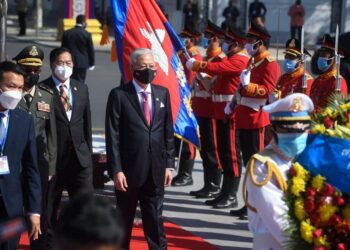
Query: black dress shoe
x=241, y=213
x=215, y=200
x=228, y=201
x=211, y=193
x=182, y=180
x=195, y=193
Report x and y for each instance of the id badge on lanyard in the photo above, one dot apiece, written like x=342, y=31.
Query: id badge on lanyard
x=4, y=165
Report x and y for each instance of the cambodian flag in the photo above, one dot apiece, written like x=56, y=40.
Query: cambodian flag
x=141, y=24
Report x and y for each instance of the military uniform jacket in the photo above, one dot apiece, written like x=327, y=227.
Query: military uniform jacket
x=293, y=83
x=324, y=86
x=202, y=103
x=264, y=75
x=193, y=52
x=42, y=110
x=228, y=71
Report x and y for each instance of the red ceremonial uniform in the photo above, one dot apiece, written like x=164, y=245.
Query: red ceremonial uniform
x=228, y=72
x=193, y=52
x=324, y=86
x=264, y=76
x=293, y=83
x=202, y=103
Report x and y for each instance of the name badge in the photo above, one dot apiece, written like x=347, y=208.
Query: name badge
x=4, y=165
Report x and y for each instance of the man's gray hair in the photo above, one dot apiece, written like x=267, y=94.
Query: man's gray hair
x=139, y=52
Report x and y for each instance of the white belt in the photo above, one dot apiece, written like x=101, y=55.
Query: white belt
x=253, y=103
x=201, y=93
x=222, y=98
x=265, y=241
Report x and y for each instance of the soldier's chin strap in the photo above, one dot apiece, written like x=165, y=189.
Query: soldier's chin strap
x=272, y=171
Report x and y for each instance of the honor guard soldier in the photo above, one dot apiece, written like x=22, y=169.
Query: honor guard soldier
x=257, y=83
x=203, y=109
x=227, y=72
x=292, y=80
x=325, y=85
x=188, y=152
x=38, y=102
x=267, y=209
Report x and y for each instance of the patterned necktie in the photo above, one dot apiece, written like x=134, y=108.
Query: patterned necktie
x=64, y=97
x=146, y=107
x=28, y=98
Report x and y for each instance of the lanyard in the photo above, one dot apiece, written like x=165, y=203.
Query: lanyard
x=3, y=139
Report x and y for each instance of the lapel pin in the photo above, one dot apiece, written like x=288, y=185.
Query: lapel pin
x=157, y=99
x=39, y=93
x=75, y=88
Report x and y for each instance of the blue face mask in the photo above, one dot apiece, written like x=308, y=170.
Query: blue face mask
x=250, y=48
x=289, y=65
x=292, y=144
x=322, y=64
x=225, y=47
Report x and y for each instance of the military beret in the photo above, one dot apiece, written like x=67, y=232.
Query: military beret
x=258, y=31
x=190, y=33
x=293, y=47
x=213, y=30
x=236, y=35
x=30, y=56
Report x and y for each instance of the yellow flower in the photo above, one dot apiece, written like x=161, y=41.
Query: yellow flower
x=335, y=114
x=327, y=112
x=326, y=212
x=298, y=185
x=318, y=129
x=346, y=213
x=299, y=210
x=301, y=172
x=318, y=182
x=306, y=231
x=321, y=241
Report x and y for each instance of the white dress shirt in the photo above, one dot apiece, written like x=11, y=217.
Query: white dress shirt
x=68, y=90
x=270, y=220
x=139, y=92
x=5, y=118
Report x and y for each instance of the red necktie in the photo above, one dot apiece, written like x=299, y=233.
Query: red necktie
x=146, y=108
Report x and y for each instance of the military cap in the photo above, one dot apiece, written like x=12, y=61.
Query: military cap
x=293, y=47
x=190, y=33
x=30, y=56
x=236, y=35
x=291, y=112
x=258, y=31
x=213, y=30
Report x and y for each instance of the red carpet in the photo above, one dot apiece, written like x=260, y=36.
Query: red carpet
x=178, y=239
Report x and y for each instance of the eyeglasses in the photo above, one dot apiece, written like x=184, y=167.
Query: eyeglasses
x=62, y=63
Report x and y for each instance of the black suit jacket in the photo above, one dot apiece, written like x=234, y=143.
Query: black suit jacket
x=77, y=131
x=79, y=42
x=133, y=147
x=20, y=149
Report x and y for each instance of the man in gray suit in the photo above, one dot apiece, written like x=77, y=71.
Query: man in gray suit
x=38, y=102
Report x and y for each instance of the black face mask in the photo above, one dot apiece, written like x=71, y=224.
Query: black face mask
x=31, y=80
x=145, y=76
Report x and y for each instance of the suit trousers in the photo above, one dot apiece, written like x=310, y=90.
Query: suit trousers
x=208, y=152
x=75, y=178
x=79, y=74
x=229, y=148
x=151, y=199
x=11, y=244
x=22, y=22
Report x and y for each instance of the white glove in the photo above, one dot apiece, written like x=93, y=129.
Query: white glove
x=245, y=78
x=189, y=63
x=92, y=67
x=227, y=109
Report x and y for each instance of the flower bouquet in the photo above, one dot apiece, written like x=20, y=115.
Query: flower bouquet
x=319, y=184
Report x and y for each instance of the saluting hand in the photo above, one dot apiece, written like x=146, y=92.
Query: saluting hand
x=168, y=177
x=35, y=230
x=120, y=181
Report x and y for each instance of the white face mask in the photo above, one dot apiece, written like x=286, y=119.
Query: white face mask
x=63, y=72
x=10, y=99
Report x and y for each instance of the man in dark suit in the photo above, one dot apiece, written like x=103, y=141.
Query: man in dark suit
x=140, y=148
x=79, y=42
x=18, y=155
x=73, y=122
x=38, y=102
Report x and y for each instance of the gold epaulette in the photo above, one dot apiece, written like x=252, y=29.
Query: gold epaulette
x=222, y=55
x=272, y=170
x=270, y=59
